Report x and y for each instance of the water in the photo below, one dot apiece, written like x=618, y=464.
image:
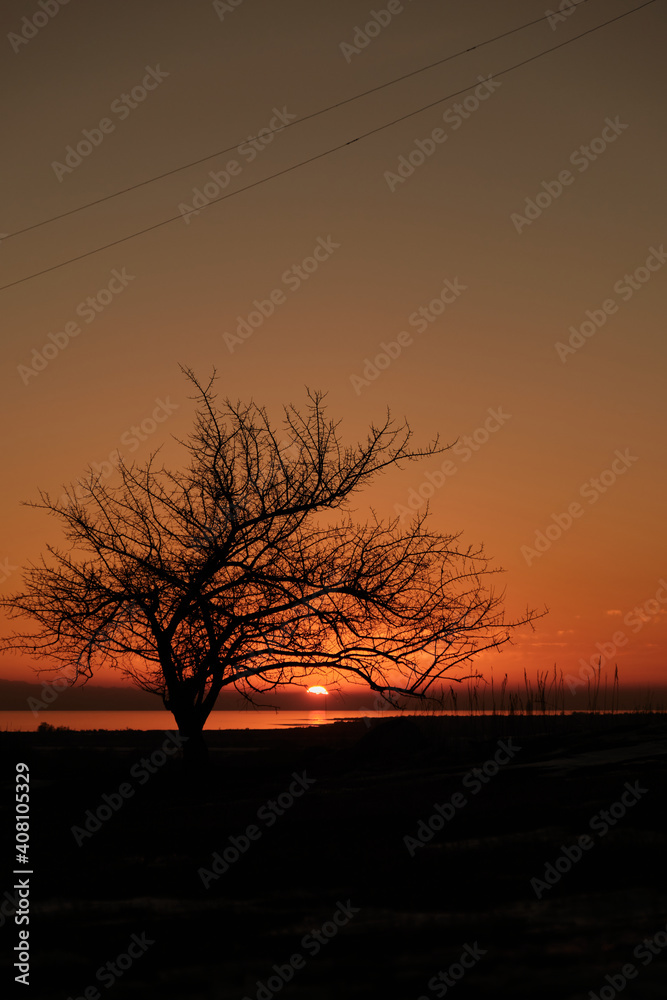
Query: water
x=261, y=719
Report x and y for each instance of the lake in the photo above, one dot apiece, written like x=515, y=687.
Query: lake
x=18, y=721
x=261, y=719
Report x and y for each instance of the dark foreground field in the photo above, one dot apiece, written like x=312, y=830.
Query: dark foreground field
x=330, y=880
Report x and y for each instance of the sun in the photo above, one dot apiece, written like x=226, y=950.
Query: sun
x=317, y=689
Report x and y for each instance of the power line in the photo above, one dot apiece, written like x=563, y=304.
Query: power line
x=299, y=121
x=318, y=156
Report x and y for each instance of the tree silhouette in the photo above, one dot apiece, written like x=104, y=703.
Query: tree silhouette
x=246, y=569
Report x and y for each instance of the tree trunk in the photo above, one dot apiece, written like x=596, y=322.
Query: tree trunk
x=190, y=722
x=195, y=750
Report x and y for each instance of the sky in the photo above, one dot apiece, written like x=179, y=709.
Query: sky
x=492, y=270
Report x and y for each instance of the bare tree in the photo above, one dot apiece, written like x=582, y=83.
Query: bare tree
x=246, y=569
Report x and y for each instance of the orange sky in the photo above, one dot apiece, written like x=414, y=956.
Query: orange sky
x=582, y=128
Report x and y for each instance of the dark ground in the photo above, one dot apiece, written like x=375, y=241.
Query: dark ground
x=343, y=840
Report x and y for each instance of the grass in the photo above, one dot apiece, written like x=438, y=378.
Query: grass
x=547, y=694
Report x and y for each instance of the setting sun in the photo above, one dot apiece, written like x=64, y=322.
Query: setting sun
x=317, y=689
